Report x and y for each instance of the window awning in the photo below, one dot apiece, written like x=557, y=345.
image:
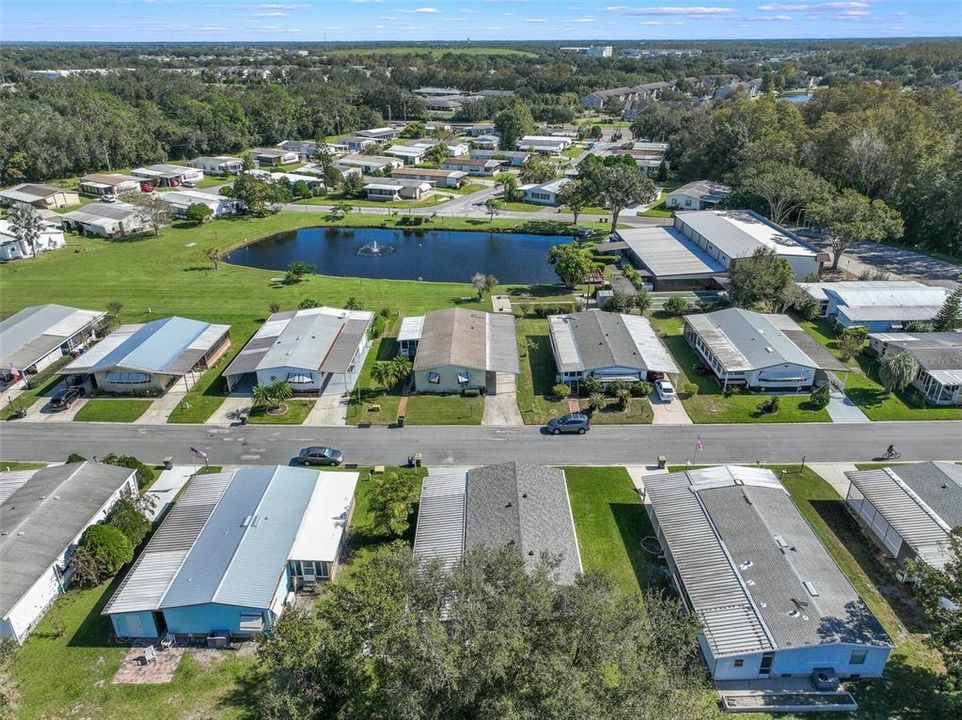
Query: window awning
x=434, y=377
x=128, y=378
x=299, y=379
x=464, y=377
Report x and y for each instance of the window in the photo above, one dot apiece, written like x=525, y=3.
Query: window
x=766, y=667
x=739, y=662
x=858, y=657
x=434, y=378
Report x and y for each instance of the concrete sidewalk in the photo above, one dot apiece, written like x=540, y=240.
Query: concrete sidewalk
x=834, y=475
x=166, y=487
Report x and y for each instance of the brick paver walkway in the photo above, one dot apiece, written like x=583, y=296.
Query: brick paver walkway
x=134, y=670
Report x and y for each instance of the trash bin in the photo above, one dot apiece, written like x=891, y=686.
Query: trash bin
x=400, y=421
x=168, y=463
x=417, y=459
x=662, y=462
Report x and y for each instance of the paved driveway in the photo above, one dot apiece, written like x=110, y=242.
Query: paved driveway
x=670, y=413
x=329, y=410
x=842, y=410
x=501, y=406
x=900, y=263
x=161, y=408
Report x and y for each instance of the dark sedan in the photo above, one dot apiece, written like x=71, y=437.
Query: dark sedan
x=318, y=455
x=65, y=398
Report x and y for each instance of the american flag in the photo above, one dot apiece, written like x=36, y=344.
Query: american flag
x=200, y=454
x=699, y=443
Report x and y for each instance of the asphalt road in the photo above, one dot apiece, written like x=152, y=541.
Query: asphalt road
x=461, y=445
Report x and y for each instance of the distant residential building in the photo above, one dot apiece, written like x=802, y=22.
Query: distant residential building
x=453, y=149
x=219, y=164
x=544, y=144
x=939, y=356
x=171, y=175
x=472, y=167
x=762, y=352
x=409, y=154
x=460, y=349
x=43, y=514
x=515, y=158
x=436, y=177
x=769, y=599
x=180, y=202
x=317, y=350
x=153, y=356
x=380, y=134
x=437, y=91
x=369, y=163
x=697, y=195
x=304, y=148
x=544, y=193
x=13, y=248
x=480, y=129
x=751, y=88
x=525, y=507
x=36, y=337
x=394, y=189
x=291, y=178
x=39, y=196
x=607, y=347
x=272, y=157
x=648, y=155
x=879, y=305
x=113, y=184
x=354, y=144
x=233, y=551
x=625, y=95
x=486, y=142
x=105, y=220
x=445, y=103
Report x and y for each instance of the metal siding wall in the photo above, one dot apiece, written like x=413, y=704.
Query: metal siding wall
x=135, y=625
x=802, y=661
x=202, y=619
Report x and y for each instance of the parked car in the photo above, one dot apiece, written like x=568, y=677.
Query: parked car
x=654, y=376
x=65, y=398
x=188, y=184
x=318, y=455
x=175, y=183
x=665, y=390
x=570, y=423
x=146, y=187
x=108, y=198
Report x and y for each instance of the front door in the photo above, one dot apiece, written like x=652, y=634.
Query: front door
x=766, y=666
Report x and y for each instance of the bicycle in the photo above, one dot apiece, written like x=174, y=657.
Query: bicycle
x=891, y=455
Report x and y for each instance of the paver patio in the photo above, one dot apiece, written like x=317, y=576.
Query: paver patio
x=135, y=670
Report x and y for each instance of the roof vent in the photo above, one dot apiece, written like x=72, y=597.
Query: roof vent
x=768, y=349
x=508, y=505
x=20, y=533
x=524, y=495
x=531, y=552
x=780, y=541
x=793, y=613
x=811, y=588
x=246, y=521
x=746, y=564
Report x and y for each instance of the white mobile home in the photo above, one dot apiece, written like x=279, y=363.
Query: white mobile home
x=879, y=305
x=171, y=175
x=544, y=193
x=106, y=220
x=218, y=164
x=99, y=185
x=13, y=248
x=38, y=336
x=939, y=357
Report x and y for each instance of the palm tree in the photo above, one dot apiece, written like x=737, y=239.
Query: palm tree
x=27, y=226
x=492, y=206
x=898, y=371
x=402, y=367
x=281, y=390
x=383, y=373
x=624, y=396
x=261, y=395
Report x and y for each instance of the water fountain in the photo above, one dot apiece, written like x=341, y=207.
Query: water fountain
x=373, y=249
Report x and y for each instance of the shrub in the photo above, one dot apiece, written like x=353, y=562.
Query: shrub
x=596, y=402
x=308, y=303
x=591, y=386
x=471, y=393
x=561, y=391
x=615, y=388
x=676, y=305
x=145, y=475
x=75, y=458
x=385, y=312
x=690, y=389
x=624, y=396
x=102, y=551
x=127, y=517
x=769, y=406
x=275, y=307
x=391, y=502
x=820, y=397
x=640, y=389
x=378, y=325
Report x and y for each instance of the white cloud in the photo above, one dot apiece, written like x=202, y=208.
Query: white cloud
x=271, y=14
x=582, y=20
x=534, y=20
x=694, y=10
x=813, y=7
x=423, y=11
x=779, y=18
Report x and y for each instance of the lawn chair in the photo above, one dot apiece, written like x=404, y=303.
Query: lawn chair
x=168, y=641
x=150, y=655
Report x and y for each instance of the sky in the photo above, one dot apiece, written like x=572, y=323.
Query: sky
x=485, y=20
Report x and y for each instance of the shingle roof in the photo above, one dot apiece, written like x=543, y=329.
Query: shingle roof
x=704, y=190
x=36, y=331
x=594, y=340
x=922, y=502
x=171, y=346
x=744, y=554
x=323, y=339
x=468, y=338
x=31, y=192
x=41, y=518
x=938, y=353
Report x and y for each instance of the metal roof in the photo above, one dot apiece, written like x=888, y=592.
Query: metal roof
x=325, y=520
x=411, y=328
x=746, y=340
x=35, y=332
x=319, y=339
x=31, y=192
x=704, y=190
x=376, y=161
x=41, y=518
x=102, y=213
x=229, y=537
x=468, y=338
x=409, y=151
x=171, y=346
x=922, y=502
x=739, y=233
x=666, y=252
x=594, y=340
x=877, y=293
x=745, y=558
x=516, y=504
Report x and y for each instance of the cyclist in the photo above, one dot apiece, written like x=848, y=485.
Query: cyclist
x=891, y=451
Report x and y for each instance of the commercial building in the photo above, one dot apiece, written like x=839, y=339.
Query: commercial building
x=460, y=349
x=170, y=175
x=544, y=193
x=105, y=220
x=317, y=350
x=12, y=247
x=770, y=600
x=607, y=347
x=879, y=305
x=910, y=510
x=43, y=513
x=149, y=358
x=38, y=336
x=939, y=357
x=762, y=352
x=697, y=195
x=218, y=164
x=516, y=505
x=232, y=552
x=108, y=185
x=42, y=197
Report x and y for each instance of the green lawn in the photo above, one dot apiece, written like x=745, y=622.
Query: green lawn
x=167, y=275
x=400, y=204
x=572, y=152
x=210, y=181
x=112, y=410
x=466, y=189
x=611, y=522
x=371, y=404
x=66, y=672
x=444, y=410
x=710, y=405
x=5, y=466
x=638, y=412
x=521, y=207
x=657, y=210
x=297, y=412
x=535, y=401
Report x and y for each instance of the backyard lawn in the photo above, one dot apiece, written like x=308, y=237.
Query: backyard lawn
x=535, y=399
x=334, y=199
x=112, y=410
x=5, y=466
x=370, y=403
x=297, y=412
x=444, y=410
x=710, y=405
